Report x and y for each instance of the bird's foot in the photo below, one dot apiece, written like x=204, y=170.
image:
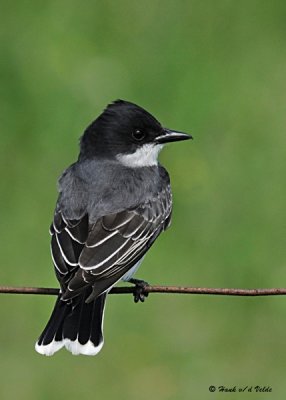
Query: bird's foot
x=139, y=290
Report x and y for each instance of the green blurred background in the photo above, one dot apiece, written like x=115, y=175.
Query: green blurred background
x=215, y=69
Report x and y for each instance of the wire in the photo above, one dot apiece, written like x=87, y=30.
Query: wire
x=157, y=289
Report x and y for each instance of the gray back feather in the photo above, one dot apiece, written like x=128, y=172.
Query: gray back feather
x=104, y=187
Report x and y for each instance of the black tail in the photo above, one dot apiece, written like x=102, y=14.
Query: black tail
x=77, y=325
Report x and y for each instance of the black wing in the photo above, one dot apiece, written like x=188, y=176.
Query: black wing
x=99, y=254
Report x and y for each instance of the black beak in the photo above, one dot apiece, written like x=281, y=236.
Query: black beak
x=171, y=136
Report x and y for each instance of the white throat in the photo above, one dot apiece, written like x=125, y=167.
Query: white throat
x=145, y=156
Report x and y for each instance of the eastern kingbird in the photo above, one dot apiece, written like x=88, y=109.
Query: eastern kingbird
x=113, y=204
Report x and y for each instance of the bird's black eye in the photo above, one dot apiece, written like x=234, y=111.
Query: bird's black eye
x=138, y=135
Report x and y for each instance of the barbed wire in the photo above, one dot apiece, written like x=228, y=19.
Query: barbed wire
x=157, y=289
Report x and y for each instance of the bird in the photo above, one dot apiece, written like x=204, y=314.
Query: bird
x=113, y=203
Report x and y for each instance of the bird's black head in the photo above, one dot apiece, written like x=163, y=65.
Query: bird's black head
x=128, y=133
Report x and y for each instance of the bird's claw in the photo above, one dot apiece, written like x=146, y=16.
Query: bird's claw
x=139, y=293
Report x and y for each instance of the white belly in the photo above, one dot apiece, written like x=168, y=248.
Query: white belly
x=132, y=271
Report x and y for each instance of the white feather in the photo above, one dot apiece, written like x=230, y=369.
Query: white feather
x=103, y=240
x=63, y=254
x=88, y=349
x=144, y=156
x=94, y=267
x=49, y=349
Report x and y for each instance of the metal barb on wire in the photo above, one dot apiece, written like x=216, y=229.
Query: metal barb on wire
x=157, y=289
